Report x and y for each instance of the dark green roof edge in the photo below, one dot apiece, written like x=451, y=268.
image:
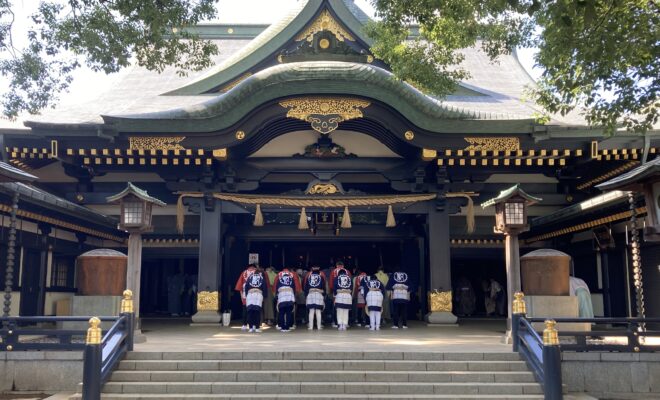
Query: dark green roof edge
x=514, y=190
x=41, y=198
x=267, y=42
x=649, y=169
x=136, y=191
x=318, y=78
x=13, y=174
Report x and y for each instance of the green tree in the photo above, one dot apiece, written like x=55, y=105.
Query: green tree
x=602, y=55
x=105, y=35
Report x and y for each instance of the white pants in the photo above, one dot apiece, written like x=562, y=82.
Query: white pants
x=374, y=319
x=342, y=316
x=315, y=312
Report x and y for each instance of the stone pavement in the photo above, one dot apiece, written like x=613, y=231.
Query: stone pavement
x=470, y=336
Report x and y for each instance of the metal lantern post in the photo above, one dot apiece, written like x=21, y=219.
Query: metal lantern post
x=511, y=220
x=135, y=218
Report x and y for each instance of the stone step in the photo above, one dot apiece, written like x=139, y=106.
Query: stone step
x=319, y=365
x=266, y=388
x=119, y=396
x=322, y=376
x=323, y=355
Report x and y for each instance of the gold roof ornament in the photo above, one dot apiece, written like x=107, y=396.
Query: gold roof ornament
x=156, y=142
x=324, y=188
x=493, y=143
x=324, y=113
x=325, y=22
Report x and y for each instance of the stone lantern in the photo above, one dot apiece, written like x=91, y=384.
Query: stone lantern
x=135, y=218
x=511, y=220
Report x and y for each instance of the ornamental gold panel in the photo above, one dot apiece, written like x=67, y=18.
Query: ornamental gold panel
x=156, y=142
x=325, y=22
x=208, y=301
x=324, y=113
x=493, y=143
x=440, y=301
x=323, y=188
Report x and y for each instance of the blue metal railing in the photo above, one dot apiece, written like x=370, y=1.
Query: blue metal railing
x=543, y=354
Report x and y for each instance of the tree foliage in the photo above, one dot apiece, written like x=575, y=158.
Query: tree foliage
x=603, y=56
x=106, y=35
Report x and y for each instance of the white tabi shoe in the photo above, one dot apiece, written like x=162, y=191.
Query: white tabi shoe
x=378, y=328
x=244, y=328
x=257, y=330
x=251, y=330
x=372, y=329
x=395, y=327
x=405, y=327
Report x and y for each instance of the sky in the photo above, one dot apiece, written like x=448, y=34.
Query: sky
x=87, y=84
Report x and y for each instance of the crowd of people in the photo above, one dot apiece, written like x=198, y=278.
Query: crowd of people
x=345, y=297
x=465, y=298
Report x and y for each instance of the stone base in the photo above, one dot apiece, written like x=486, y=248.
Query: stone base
x=93, y=306
x=441, y=318
x=206, y=317
x=555, y=307
x=139, y=337
x=507, y=338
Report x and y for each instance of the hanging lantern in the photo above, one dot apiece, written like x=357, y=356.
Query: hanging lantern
x=258, y=217
x=391, y=222
x=302, y=224
x=346, y=219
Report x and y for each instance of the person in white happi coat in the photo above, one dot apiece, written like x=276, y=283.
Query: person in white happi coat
x=399, y=288
x=343, y=292
x=373, y=293
x=255, y=289
x=286, y=287
x=314, y=287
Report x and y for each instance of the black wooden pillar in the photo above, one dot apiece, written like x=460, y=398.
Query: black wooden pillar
x=210, y=257
x=439, y=264
x=44, y=243
x=605, y=273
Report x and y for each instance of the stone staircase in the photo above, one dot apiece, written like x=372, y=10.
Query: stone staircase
x=321, y=375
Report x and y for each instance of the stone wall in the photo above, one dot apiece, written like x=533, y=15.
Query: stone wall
x=43, y=371
x=609, y=374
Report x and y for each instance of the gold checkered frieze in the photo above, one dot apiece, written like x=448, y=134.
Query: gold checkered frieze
x=506, y=158
x=148, y=157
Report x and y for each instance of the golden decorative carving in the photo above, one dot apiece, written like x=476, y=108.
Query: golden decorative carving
x=324, y=43
x=94, y=331
x=156, y=142
x=324, y=113
x=550, y=334
x=409, y=135
x=325, y=22
x=235, y=82
x=323, y=188
x=440, y=301
x=493, y=143
x=207, y=301
x=519, y=306
x=240, y=135
x=127, y=302
x=370, y=58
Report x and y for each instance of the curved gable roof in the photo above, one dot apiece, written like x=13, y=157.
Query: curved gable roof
x=272, y=39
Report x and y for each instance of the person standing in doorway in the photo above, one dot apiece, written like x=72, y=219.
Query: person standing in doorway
x=269, y=306
x=399, y=289
x=360, y=301
x=343, y=293
x=339, y=267
x=240, y=288
x=498, y=295
x=579, y=288
x=255, y=290
x=373, y=293
x=286, y=287
x=384, y=278
x=315, y=284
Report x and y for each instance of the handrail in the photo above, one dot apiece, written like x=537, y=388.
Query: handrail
x=103, y=353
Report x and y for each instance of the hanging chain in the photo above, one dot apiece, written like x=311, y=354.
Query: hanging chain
x=9, y=272
x=636, y=259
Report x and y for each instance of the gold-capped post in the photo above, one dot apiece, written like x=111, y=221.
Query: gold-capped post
x=519, y=306
x=94, y=331
x=550, y=334
x=127, y=302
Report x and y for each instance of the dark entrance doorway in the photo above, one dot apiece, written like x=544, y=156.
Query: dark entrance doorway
x=169, y=287
x=474, y=268
x=31, y=284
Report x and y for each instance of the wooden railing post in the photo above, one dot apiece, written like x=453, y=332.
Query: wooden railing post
x=552, y=385
x=92, y=361
x=519, y=311
x=128, y=311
